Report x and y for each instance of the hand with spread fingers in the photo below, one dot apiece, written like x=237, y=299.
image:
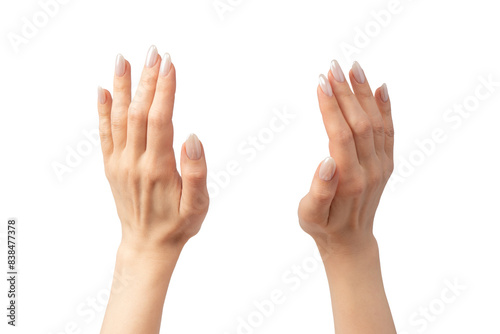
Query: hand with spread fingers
x=159, y=210
x=339, y=210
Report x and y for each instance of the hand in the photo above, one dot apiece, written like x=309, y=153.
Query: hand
x=157, y=207
x=339, y=210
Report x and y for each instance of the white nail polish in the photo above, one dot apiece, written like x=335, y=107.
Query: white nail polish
x=101, y=95
x=119, y=65
x=151, y=57
x=165, y=65
x=359, y=75
x=193, y=147
x=337, y=71
x=384, y=93
x=325, y=85
x=327, y=169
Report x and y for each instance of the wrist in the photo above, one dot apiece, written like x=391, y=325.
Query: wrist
x=147, y=255
x=152, y=243
x=348, y=248
x=142, y=269
x=348, y=263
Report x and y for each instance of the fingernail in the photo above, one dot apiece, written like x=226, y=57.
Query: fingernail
x=337, y=71
x=327, y=169
x=101, y=95
x=119, y=65
x=359, y=75
x=193, y=147
x=151, y=57
x=325, y=85
x=384, y=93
x=165, y=65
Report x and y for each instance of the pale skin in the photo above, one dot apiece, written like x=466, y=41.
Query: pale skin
x=339, y=210
x=161, y=210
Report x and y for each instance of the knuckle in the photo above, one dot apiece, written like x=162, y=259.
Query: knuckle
x=306, y=214
x=343, y=136
x=135, y=114
x=106, y=140
x=149, y=82
x=345, y=93
x=364, y=93
x=363, y=128
x=389, y=132
x=322, y=196
x=357, y=188
x=378, y=128
x=389, y=168
x=116, y=122
x=375, y=177
x=120, y=87
x=104, y=133
x=120, y=106
x=126, y=173
x=103, y=112
x=156, y=121
x=306, y=217
x=153, y=171
x=199, y=203
x=152, y=175
x=302, y=207
x=197, y=176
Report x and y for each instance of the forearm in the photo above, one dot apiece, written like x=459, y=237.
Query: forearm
x=136, y=299
x=359, y=302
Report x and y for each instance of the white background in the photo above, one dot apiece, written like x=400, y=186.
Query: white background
x=437, y=223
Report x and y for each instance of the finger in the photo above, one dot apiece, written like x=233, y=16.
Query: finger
x=141, y=103
x=384, y=105
x=340, y=136
x=104, y=103
x=121, y=102
x=160, y=128
x=194, y=198
x=314, y=208
x=355, y=116
x=365, y=97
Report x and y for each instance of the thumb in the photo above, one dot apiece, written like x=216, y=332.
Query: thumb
x=315, y=206
x=194, y=198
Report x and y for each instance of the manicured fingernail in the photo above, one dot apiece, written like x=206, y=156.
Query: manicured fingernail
x=327, y=169
x=359, y=75
x=119, y=65
x=193, y=147
x=151, y=57
x=165, y=65
x=101, y=95
x=325, y=85
x=384, y=93
x=337, y=71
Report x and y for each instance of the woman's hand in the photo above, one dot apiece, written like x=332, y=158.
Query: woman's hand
x=339, y=209
x=157, y=207
x=159, y=210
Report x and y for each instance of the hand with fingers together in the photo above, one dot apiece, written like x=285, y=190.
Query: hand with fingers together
x=159, y=210
x=339, y=210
